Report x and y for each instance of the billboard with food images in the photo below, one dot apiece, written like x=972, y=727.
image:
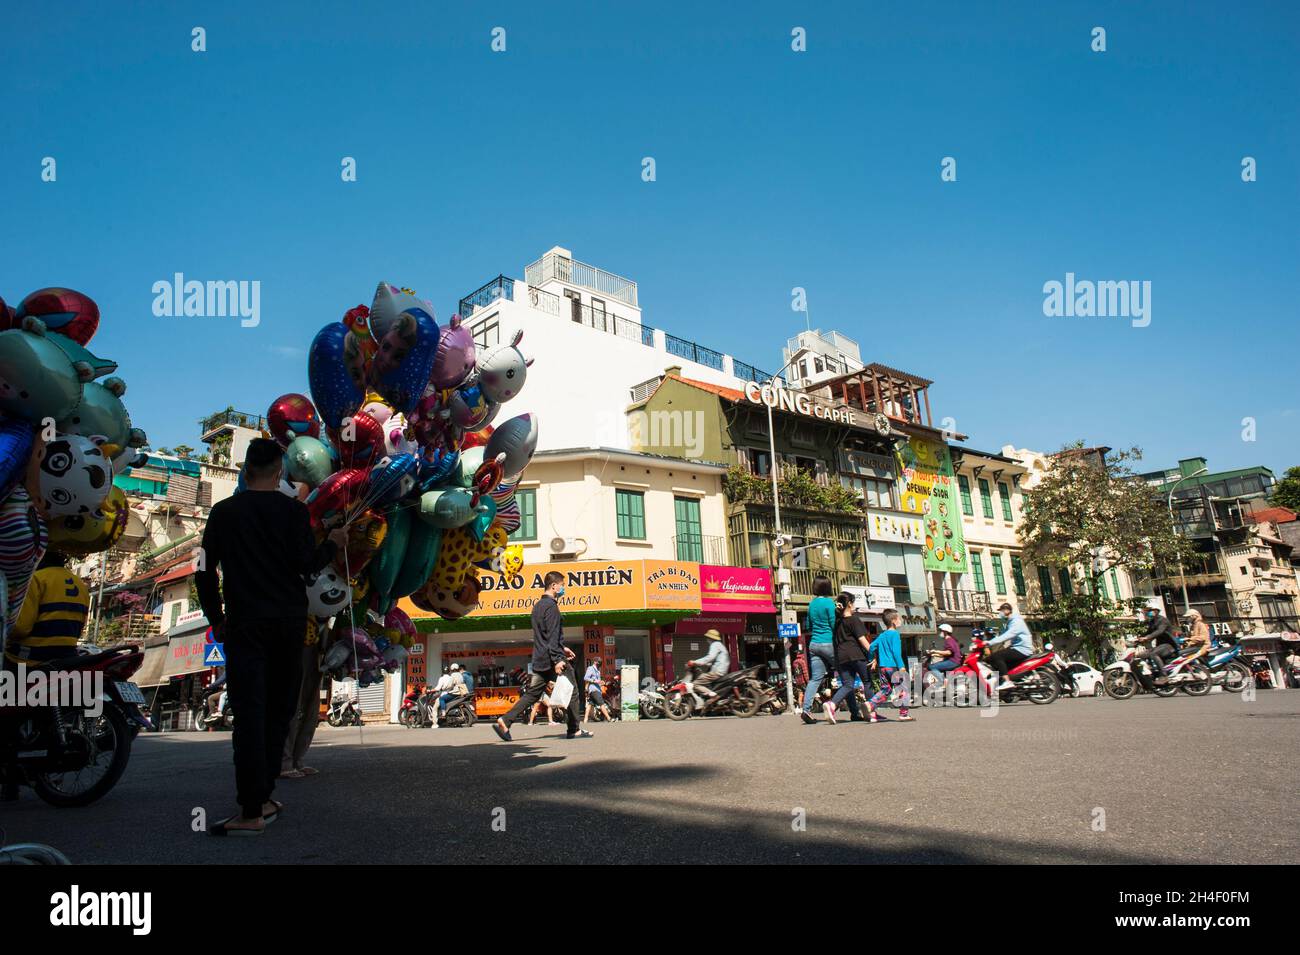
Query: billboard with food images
x=929, y=490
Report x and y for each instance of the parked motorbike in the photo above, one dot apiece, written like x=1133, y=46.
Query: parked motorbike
x=344, y=711
x=738, y=693
x=1032, y=679
x=650, y=701
x=1123, y=678
x=69, y=756
x=1061, y=670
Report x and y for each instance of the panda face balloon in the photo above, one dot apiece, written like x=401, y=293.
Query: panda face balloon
x=75, y=476
x=327, y=593
x=503, y=370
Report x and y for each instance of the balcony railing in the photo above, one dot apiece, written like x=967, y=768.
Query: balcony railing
x=705, y=549
x=746, y=372
x=1194, y=565
x=500, y=287
x=801, y=581
x=240, y=419
x=693, y=352
x=552, y=267
x=953, y=600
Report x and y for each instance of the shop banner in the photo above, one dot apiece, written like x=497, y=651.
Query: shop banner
x=895, y=528
x=930, y=491
x=735, y=589
x=590, y=585
x=702, y=623
x=871, y=599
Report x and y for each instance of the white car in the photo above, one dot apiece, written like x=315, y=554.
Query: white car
x=1087, y=681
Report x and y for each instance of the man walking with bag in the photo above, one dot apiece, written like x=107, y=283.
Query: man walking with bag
x=552, y=660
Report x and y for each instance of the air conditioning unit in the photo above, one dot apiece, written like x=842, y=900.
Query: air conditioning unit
x=568, y=546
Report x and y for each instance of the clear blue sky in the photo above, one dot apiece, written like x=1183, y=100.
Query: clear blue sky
x=775, y=170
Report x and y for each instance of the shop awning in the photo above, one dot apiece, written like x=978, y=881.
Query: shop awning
x=731, y=590
x=151, y=671
x=185, y=652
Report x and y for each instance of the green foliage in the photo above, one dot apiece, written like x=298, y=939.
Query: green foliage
x=798, y=489
x=1286, y=493
x=1081, y=511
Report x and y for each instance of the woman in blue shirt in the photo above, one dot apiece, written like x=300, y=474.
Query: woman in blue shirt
x=822, y=615
x=887, y=649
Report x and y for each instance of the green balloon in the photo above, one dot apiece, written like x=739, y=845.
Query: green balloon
x=421, y=554
x=101, y=412
x=308, y=460
x=387, y=562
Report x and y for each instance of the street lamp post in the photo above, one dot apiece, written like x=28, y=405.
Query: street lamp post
x=1187, y=606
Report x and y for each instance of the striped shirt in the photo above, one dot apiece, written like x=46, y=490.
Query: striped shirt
x=52, y=617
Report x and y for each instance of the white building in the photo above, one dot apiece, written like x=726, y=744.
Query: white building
x=584, y=329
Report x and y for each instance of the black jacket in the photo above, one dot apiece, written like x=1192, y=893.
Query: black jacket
x=1158, y=632
x=548, y=634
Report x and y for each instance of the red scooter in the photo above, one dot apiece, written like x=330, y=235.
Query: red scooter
x=1032, y=679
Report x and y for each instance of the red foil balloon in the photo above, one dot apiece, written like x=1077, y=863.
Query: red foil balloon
x=329, y=504
x=292, y=416
x=63, y=310
x=360, y=440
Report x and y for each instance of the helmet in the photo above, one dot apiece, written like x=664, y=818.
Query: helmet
x=945, y=628
x=455, y=667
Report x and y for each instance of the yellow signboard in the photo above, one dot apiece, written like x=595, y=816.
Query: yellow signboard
x=590, y=586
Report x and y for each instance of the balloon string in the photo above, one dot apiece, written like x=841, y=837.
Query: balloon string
x=356, y=660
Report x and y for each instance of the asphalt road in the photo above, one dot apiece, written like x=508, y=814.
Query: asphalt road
x=1183, y=780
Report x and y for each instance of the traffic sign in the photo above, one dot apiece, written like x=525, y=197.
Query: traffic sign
x=214, y=655
x=788, y=631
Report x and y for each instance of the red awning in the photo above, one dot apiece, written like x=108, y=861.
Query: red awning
x=177, y=573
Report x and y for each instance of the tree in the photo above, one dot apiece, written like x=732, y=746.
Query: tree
x=1286, y=492
x=1083, y=513
x=183, y=451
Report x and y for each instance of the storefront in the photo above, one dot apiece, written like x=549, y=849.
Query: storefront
x=1266, y=655
x=737, y=602
x=616, y=613
x=173, y=673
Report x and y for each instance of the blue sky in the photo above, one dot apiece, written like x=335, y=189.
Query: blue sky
x=775, y=169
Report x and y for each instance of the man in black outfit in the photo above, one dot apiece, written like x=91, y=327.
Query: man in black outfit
x=262, y=541
x=1159, y=644
x=551, y=659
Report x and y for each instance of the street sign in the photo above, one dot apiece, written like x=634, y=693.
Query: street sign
x=788, y=631
x=789, y=616
x=214, y=655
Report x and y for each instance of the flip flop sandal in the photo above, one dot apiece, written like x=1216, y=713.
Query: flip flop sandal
x=504, y=734
x=308, y=771
x=274, y=814
x=292, y=774
x=223, y=828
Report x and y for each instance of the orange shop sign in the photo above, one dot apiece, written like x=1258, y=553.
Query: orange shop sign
x=593, y=585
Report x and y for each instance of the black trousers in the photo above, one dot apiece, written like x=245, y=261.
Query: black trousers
x=263, y=677
x=532, y=692
x=1005, y=660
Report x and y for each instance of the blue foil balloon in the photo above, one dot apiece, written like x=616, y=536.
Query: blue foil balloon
x=16, y=439
x=435, y=472
x=400, y=369
x=392, y=478
x=336, y=389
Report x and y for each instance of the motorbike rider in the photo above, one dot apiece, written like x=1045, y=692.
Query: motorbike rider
x=716, y=663
x=1199, y=636
x=1158, y=642
x=946, y=658
x=1020, y=645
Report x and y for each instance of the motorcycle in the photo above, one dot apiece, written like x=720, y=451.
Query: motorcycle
x=344, y=711
x=68, y=755
x=1123, y=678
x=1061, y=670
x=411, y=713
x=650, y=701
x=206, y=716
x=738, y=693
x=1225, y=668
x=1033, y=678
